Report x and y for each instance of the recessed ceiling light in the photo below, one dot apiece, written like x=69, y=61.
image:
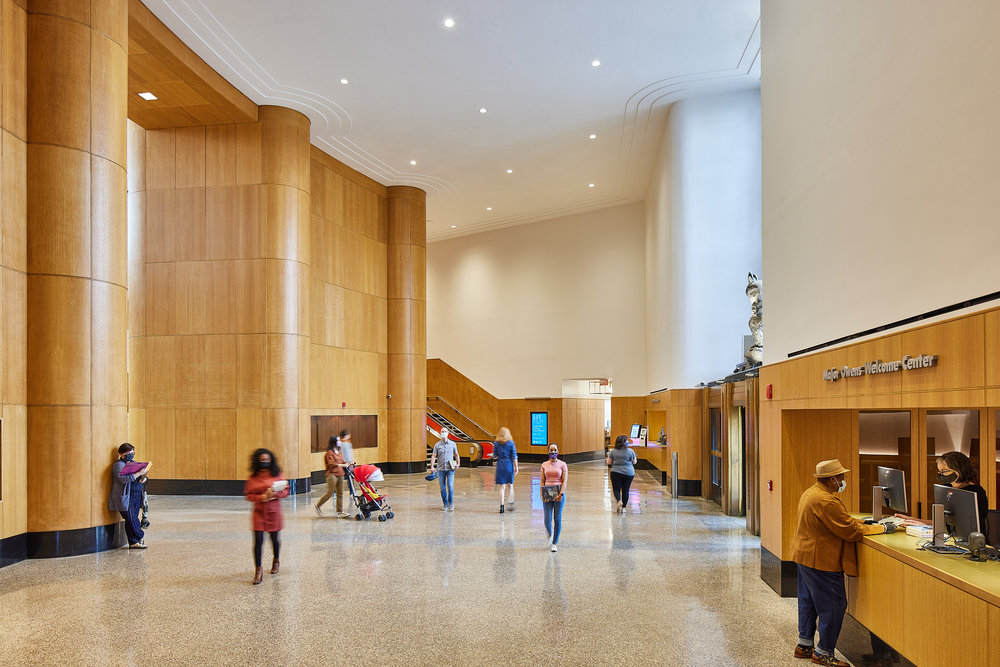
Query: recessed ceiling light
x=593, y=136
x=510, y=171
x=148, y=96
x=413, y=162
x=344, y=81
x=482, y=110
x=449, y=23
x=489, y=208
x=591, y=185
x=453, y=226
x=596, y=63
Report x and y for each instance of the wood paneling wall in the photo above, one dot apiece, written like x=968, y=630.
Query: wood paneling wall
x=348, y=305
x=407, y=326
x=220, y=332
x=809, y=419
x=13, y=270
x=76, y=248
x=625, y=411
x=468, y=397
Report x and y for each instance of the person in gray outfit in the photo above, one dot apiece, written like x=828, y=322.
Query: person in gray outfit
x=126, y=494
x=622, y=461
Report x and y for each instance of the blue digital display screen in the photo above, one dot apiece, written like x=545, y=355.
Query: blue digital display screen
x=539, y=428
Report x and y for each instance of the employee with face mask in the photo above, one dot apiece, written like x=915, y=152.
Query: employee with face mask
x=820, y=547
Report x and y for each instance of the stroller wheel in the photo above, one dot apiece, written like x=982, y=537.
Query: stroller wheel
x=389, y=515
x=367, y=513
x=381, y=517
x=357, y=517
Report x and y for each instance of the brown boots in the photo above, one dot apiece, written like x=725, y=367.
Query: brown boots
x=258, y=575
x=274, y=566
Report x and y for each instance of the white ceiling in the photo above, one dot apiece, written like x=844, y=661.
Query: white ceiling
x=415, y=89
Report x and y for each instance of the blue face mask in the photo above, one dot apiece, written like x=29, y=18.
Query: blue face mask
x=553, y=455
x=130, y=456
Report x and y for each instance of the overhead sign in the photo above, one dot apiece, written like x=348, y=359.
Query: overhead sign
x=877, y=367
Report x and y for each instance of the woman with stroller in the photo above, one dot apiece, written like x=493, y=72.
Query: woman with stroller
x=554, y=474
x=622, y=461
x=505, y=455
x=335, y=465
x=126, y=494
x=263, y=488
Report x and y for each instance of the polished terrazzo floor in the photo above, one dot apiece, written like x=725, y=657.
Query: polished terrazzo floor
x=673, y=582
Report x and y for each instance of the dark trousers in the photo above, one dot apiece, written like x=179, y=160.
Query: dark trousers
x=258, y=545
x=822, y=597
x=133, y=531
x=620, y=484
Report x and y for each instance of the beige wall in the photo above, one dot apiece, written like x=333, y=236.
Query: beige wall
x=519, y=309
x=879, y=168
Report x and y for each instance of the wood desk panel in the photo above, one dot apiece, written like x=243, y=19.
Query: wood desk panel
x=920, y=601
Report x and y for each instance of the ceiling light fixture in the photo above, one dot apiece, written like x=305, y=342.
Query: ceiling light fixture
x=591, y=185
x=344, y=81
x=453, y=226
x=482, y=109
x=489, y=208
x=449, y=23
x=413, y=162
x=148, y=96
x=593, y=136
x=510, y=171
x=596, y=63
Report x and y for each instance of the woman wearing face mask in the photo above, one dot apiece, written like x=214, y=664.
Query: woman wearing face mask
x=126, y=494
x=554, y=474
x=263, y=488
x=335, y=465
x=956, y=470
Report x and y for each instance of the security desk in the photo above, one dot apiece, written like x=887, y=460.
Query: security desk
x=934, y=609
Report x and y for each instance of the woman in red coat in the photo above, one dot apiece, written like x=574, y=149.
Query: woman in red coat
x=264, y=487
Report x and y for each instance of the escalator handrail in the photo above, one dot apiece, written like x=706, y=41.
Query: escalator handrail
x=464, y=416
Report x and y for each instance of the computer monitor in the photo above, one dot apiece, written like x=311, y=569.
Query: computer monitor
x=961, y=510
x=891, y=491
x=634, y=432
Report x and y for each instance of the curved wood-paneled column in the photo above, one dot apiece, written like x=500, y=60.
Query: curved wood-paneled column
x=407, y=328
x=285, y=197
x=76, y=271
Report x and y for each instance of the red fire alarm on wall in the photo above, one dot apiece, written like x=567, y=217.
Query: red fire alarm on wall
x=767, y=392
x=770, y=485
x=343, y=404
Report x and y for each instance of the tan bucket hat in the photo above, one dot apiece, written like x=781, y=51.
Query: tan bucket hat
x=829, y=468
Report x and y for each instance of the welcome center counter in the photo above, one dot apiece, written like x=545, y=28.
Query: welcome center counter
x=934, y=609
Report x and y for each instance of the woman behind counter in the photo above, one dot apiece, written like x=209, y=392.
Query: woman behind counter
x=956, y=470
x=263, y=489
x=505, y=455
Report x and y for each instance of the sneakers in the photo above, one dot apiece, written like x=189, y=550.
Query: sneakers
x=828, y=660
x=138, y=545
x=802, y=651
x=451, y=508
x=553, y=548
x=319, y=512
x=444, y=508
x=343, y=515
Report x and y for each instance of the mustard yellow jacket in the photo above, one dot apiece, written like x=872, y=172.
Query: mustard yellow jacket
x=825, y=533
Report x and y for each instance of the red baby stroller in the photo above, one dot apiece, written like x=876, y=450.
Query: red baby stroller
x=366, y=497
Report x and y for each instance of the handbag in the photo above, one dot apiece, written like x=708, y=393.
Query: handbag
x=549, y=493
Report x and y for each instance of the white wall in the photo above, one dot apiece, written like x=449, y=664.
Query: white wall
x=702, y=238
x=519, y=309
x=881, y=163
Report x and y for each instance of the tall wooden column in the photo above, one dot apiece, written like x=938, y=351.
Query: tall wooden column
x=76, y=264
x=407, y=344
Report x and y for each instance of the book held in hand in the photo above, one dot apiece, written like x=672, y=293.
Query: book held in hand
x=549, y=493
x=280, y=485
x=133, y=468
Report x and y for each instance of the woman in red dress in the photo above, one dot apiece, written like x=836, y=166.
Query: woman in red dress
x=262, y=491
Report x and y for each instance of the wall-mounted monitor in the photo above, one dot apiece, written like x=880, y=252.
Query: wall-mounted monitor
x=539, y=428
x=634, y=431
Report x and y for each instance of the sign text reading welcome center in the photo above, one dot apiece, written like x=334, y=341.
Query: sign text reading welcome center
x=877, y=367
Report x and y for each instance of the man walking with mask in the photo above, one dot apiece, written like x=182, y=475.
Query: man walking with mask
x=823, y=547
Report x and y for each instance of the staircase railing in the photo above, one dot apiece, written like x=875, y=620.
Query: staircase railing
x=489, y=435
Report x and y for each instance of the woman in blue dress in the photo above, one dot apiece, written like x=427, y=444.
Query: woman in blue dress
x=505, y=455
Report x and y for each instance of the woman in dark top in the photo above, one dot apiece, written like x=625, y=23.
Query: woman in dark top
x=956, y=470
x=126, y=494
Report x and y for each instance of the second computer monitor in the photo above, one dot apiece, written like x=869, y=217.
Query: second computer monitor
x=961, y=510
x=893, y=483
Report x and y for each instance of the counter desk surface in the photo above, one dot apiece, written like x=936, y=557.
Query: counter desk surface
x=926, y=604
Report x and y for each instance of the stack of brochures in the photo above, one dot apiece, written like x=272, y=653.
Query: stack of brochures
x=920, y=531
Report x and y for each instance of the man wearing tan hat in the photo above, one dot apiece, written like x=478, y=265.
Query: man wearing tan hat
x=823, y=547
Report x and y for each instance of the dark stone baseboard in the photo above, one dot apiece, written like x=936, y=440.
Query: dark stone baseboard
x=781, y=575
x=688, y=487
x=403, y=467
x=215, y=487
x=643, y=464
x=61, y=543
x=579, y=457
x=13, y=549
